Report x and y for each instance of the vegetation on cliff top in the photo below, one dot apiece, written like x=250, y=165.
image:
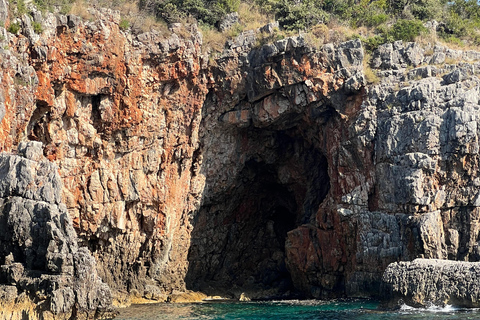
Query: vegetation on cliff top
x=373, y=21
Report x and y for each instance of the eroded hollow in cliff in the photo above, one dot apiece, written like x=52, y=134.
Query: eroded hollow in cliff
x=37, y=128
x=239, y=235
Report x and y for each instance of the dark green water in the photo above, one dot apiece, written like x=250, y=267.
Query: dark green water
x=294, y=309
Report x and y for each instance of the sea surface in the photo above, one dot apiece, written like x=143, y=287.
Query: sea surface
x=290, y=309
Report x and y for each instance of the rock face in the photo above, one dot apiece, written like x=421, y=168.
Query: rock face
x=271, y=136
x=426, y=281
x=356, y=176
x=44, y=274
x=272, y=171
x=119, y=115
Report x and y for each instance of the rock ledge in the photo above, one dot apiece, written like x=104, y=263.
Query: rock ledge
x=425, y=281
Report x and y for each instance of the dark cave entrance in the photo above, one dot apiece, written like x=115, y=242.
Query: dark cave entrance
x=37, y=128
x=239, y=235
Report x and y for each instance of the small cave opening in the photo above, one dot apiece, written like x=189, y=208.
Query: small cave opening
x=239, y=235
x=96, y=115
x=37, y=128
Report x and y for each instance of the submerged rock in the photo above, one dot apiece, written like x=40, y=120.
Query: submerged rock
x=424, y=282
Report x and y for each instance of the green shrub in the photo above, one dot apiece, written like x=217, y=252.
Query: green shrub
x=372, y=43
x=341, y=8
x=293, y=15
x=466, y=9
x=37, y=27
x=21, y=8
x=65, y=9
x=228, y=6
x=124, y=24
x=376, y=19
x=209, y=12
x=453, y=40
x=407, y=30
x=14, y=28
x=42, y=5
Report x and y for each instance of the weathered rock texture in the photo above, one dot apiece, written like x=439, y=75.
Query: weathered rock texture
x=423, y=282
x=271, y=134
x=357, y=176
x=120, y=117
x=272, y=170
x=44, y=274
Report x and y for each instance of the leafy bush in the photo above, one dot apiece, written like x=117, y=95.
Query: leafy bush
x=206, y=11
x=453, y=40
x=427, y=9
x=339, y=8
x=466, y=9
x=293, y=15
x=21, y=8
x=14, y=28
x=372, y=43
x=367, y=13
x=407, y=30
x=376, y=20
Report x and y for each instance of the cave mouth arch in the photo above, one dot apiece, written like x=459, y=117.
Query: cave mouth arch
x=238, y=238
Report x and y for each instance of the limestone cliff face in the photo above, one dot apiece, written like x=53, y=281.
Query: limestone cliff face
x=272, y=170
x=120, y=117
x=44, y=272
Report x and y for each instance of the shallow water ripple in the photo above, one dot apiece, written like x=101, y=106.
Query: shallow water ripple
x=290, y=309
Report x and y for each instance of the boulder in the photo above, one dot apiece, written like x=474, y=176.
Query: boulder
x=423, y=282
x=186, y=297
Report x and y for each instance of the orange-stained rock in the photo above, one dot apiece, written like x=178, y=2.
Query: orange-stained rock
x=273, y=170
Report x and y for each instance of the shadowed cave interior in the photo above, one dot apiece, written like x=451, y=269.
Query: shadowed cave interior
x=238, y=240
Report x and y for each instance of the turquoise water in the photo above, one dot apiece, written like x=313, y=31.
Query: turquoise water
x=293, y=309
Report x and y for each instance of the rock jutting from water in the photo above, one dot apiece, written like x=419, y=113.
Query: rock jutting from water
x=426, y=282
x=270, y=171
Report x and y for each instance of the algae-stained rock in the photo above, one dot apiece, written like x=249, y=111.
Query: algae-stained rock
x=423, y=282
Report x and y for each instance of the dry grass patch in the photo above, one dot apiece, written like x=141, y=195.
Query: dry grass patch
x=141, y=21
x=213, y=40
x=370, y=74
x=251, y=17
x=80, y=8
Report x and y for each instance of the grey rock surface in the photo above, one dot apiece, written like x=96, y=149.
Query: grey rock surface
x=424, y=282
x=228, y=21
x=3, y=11
x=39, y=251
